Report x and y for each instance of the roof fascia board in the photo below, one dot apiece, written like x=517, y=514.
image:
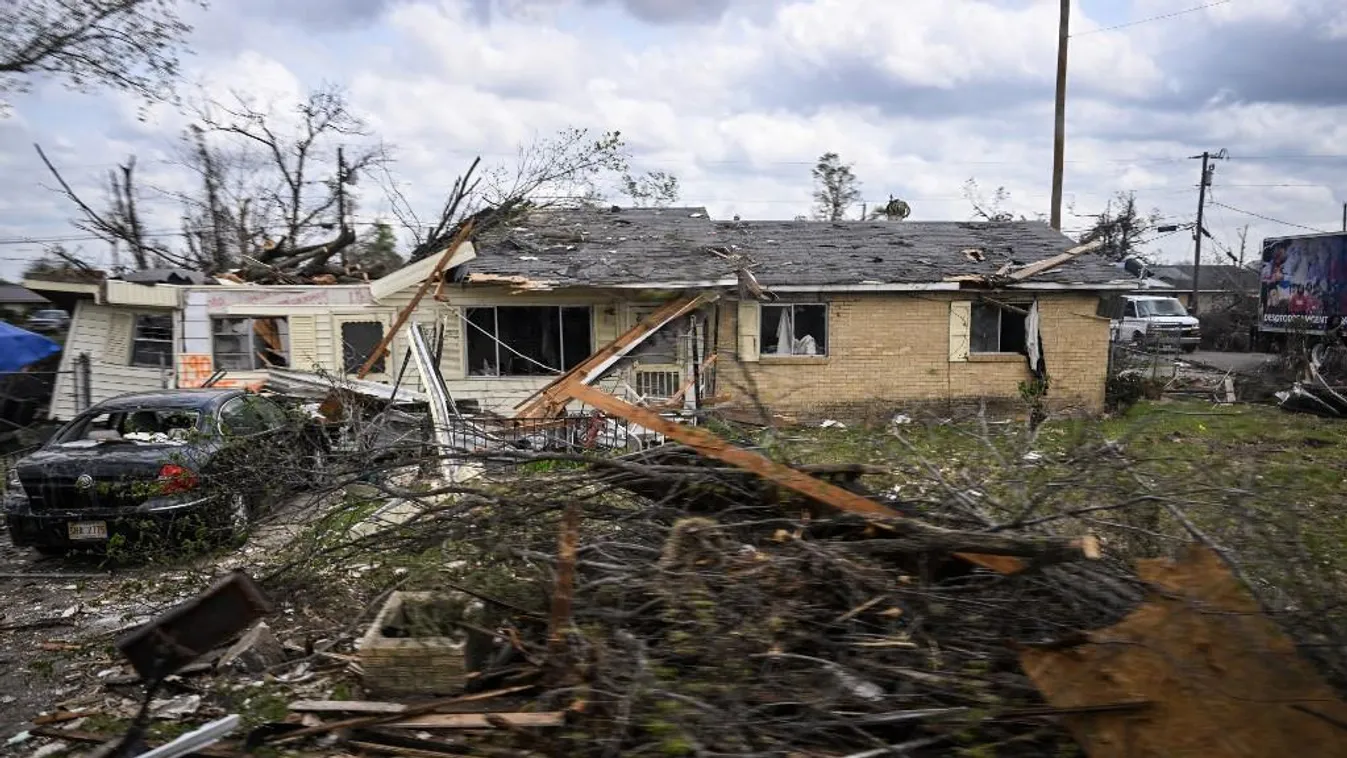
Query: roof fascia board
x=416, y=273
x=76, y=288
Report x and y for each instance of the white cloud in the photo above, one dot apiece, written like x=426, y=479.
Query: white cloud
x=920, y=96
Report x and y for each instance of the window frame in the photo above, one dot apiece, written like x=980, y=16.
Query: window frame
x=137, y=339
x=474, y=328
x=255, y=362
x=348, y=369
x=827, y=331
x=1000, y=333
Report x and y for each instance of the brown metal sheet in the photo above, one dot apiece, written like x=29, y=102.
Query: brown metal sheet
x=1225, y=682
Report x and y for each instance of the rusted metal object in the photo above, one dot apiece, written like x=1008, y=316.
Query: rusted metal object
x=1223, y=680
x=195, y=627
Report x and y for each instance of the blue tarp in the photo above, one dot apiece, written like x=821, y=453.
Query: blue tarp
x=20, y=347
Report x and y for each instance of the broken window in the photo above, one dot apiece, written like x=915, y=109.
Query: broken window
x=997, y=330
x=526, y=340
x=359, y=340
x=152, y=341
x=246, y=344
x=795, y=329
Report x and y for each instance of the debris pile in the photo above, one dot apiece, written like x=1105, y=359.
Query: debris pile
x=702, y=598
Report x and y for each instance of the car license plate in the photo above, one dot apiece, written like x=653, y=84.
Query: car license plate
x=87, y=530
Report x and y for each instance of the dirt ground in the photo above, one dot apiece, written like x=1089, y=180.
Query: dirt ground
x=59, y=617
x=42, y=602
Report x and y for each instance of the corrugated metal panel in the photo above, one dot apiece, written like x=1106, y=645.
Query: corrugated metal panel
x=960, y=330
x=413, y=274
x=118, y=292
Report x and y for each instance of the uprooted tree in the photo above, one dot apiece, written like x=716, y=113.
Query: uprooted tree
x=572, y=167
x=127, y=45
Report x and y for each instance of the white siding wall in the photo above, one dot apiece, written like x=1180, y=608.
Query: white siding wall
x=104, y=333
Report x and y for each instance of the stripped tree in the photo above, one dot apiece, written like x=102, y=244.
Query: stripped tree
x=302, y=178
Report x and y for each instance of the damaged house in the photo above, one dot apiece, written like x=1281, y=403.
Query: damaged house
x=665, y=307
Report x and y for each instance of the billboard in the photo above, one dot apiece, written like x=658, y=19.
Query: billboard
x=1304, y=280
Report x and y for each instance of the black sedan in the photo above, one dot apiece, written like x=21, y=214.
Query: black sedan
x=137, y=463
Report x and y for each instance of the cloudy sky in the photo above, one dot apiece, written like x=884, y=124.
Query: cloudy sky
x=739, y=97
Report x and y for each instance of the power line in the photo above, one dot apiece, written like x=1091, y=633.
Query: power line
x=1153, y=18
x=1268, y=218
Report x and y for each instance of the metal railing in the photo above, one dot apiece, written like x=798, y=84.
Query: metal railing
x=589, y=431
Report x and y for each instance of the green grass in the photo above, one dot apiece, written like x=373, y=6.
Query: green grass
x=1268, y=486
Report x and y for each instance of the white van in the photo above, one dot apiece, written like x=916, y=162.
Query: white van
x=1153, y=320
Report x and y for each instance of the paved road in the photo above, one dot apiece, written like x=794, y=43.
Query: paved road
x=1243, y=363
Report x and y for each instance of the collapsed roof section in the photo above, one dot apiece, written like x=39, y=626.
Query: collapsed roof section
x=673, y=248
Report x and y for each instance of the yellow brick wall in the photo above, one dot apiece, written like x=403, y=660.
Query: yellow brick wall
x=894, y=350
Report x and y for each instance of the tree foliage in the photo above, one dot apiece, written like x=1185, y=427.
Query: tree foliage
x=376, y=253
x=654, y=189
x=985, y=208
x=1121, y=225
x=836, y=188
x=127, y=45
x=894, y=210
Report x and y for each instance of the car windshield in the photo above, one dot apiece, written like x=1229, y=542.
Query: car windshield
x=145, y=426
x=1167, y=307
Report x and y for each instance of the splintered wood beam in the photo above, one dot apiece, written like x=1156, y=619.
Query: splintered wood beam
x=677, y=397
x=1048, y=264
x=711, y=446
x=545, y=401
x=564, y=592
x=464, y=233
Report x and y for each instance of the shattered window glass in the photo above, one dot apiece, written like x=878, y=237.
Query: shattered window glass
x=997, y=330
x=794, y=329
x=152, y=344
x=526, y=340
x=246, y=344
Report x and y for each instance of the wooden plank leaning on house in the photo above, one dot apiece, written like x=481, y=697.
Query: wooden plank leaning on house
x=1048, y=264
x=551, y=399
x=710, y=445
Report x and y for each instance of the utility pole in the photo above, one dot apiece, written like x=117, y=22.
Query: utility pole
x=1201, y=205
x=1059, y=134
x=1207, y=171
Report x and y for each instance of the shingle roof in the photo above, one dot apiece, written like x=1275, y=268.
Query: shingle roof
x=1215, y=278
x=13, y=294
x=608, y=247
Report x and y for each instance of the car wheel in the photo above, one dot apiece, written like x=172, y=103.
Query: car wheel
x=51, y=551
x=1190, y=348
